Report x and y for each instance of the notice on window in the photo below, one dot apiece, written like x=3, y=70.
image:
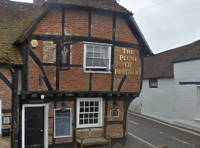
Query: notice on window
x=62, y=123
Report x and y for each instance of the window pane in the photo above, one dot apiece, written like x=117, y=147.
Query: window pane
x=86, y=109
x=90, y=115
x=89, y=48
x=81, y=109
x=88, y=62
x=96, y=103
x=81, y=116
x=97, y=55
x=90, y=121
x=91, y=109
x=89, y=54
x=81, y=121
x=95, y=115
x=103, y=62
x=95, y=120
x=96, y=109
x=95, y=62
x=91, y=103
x=81, y=103
x=86, y=116
x=86, y=103
x=104, y=52
x=86, y=121
x=96, y=49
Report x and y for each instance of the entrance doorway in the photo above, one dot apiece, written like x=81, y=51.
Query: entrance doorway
x=35, y=125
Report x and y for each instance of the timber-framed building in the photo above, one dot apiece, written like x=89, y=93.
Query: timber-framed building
x=66, y=65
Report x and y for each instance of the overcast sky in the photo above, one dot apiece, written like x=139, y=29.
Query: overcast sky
x=165, y=24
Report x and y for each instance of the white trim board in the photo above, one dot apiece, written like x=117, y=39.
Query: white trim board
x=46, y=116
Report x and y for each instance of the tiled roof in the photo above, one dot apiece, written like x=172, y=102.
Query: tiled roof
x=15, y=18
x=190, y=54
x=100, y=4
x=161, y=65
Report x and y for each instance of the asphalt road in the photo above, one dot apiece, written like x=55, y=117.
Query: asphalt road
x=155, y=133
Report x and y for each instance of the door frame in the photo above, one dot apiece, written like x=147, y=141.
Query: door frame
x=46, y=116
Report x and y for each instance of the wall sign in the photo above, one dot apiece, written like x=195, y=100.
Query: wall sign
x=34, y=43
x=114, y=113
x=6, y=120
x=128, y=59
x=65, y=57
x=62, y=123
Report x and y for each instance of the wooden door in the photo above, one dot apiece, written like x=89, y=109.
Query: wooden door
x=34, y=127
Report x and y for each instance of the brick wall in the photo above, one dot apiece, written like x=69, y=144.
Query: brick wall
x=6, y=97
x=51, y=24
x=115, y=131
x=101, y=82
x=101, y=25
x=34, y=72
x=123, y=33
x=76, y=22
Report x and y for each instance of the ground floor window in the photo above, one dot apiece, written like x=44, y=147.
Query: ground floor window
x=89, y=112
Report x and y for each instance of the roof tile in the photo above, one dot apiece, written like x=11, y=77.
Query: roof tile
x=161, y=65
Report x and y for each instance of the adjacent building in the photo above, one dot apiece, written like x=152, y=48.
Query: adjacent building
x=171, y=87
x=67, y=64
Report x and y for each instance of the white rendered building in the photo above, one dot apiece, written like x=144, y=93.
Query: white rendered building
x=171, y=87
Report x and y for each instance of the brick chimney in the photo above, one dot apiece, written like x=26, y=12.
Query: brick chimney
x=38, y=2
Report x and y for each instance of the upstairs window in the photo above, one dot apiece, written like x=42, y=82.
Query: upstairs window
x=153, y=83
x=97, y=57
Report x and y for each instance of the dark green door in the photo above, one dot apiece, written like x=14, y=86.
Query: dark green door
x=34, y=127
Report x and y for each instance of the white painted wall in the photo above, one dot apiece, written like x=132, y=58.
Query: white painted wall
x=187, y=107
x=172, y=102
x=158, y=102
x=135, y=106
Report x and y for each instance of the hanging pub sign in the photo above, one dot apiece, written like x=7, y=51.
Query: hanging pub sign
x=65, y=57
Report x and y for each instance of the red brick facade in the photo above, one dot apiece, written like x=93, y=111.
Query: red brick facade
x=113, y=84
x=6, y=100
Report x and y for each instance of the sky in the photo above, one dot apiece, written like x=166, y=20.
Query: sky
x=165, y=24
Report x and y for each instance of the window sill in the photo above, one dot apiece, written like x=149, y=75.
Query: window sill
x=102, y=72
x=197, y=119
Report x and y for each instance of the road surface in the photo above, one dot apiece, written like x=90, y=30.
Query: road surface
x=154, y=133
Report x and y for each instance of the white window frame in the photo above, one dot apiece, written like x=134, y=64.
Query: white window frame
x=99, y=124
x=0, y=115
x=70, y=124
x=108, y=69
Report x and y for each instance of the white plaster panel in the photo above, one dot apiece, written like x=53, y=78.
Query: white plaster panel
x=158, y=102
x=49, y=52
x=186, y=107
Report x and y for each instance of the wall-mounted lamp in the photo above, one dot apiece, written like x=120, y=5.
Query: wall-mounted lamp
x=42, y=97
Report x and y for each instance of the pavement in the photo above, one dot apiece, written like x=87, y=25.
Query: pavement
x=132, y=142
